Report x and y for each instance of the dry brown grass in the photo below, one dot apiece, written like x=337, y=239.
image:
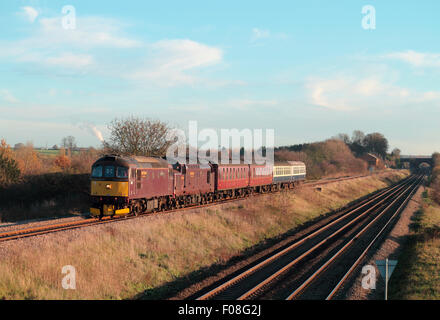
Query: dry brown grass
x=123, y=259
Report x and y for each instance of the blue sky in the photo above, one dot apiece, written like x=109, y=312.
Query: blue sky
x=304, y=68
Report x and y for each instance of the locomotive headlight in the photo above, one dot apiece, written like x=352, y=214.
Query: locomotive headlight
x=108, y=186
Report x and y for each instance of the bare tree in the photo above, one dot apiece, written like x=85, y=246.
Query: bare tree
x=138, y=136
x=69, y=142
x=395, y=153
x=344, y=137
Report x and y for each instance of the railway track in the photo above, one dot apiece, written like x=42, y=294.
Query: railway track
x=36, y=231
x=301, y=269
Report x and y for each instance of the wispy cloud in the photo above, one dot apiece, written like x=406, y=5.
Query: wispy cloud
x=65, y=60
x=90, y=32
x=170, y=62
x=50, y=45
x=416, y=59
x=348, y=93
x=7, y=96
x=30, y=13
x=245, y=104
x=259, y=34
x=71, y=60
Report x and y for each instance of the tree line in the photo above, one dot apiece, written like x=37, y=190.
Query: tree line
x=146, y=137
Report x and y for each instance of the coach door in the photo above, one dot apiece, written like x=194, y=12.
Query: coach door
x=132, y=182
x=138, y=180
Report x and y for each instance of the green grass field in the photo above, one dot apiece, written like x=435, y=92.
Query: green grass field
x=51, y=153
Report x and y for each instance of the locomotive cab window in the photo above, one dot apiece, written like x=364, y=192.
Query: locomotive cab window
x=109, y=171
x=97, y=172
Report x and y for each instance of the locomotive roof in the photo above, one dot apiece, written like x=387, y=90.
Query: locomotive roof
x=133, y=161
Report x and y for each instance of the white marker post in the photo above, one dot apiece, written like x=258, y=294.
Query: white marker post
x=386, y=268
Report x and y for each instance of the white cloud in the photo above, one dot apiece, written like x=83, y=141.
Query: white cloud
x=90, y=32
x=66, y=60
x=416, y=59
x=348, y=93
x=7, y=96
x=50, y=45
x=259, y=34
x=245, y=104
x=70, y=60
x=172, y=60
x=30, y=13
x=85, y=49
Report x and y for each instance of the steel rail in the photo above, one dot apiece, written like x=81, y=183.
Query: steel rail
x=308, y=252
x=358, y=260
x=321, y=229
x=24, y=233
x=340, y=251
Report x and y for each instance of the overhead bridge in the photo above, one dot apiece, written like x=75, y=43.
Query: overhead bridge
x=416, y=161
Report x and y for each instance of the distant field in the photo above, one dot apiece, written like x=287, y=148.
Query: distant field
x=48, y=152
x=52, y=153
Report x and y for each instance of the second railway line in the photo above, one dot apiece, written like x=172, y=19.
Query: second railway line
x=295, y=270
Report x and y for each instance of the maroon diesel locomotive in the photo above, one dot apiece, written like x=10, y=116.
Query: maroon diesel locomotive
x=134, y=185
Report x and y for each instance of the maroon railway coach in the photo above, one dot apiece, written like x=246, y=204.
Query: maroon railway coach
x=132, y=185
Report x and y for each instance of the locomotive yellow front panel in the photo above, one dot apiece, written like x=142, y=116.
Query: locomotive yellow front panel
x=109, y=188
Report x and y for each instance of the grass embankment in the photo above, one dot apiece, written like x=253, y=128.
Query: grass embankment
x=164, y=252
x=417, y=275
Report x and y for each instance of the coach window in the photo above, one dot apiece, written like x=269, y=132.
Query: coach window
x=208, y=177
x=122, y=172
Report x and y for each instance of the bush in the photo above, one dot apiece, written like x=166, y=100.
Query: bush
x=40, y=188
x=327, y=158
x=435, y=180
x=28, y=160
x=9, y=171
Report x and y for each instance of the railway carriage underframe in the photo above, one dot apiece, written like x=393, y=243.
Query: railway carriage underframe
x=140, y=206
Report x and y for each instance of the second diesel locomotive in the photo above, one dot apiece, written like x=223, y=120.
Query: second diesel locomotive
x=134, y=185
